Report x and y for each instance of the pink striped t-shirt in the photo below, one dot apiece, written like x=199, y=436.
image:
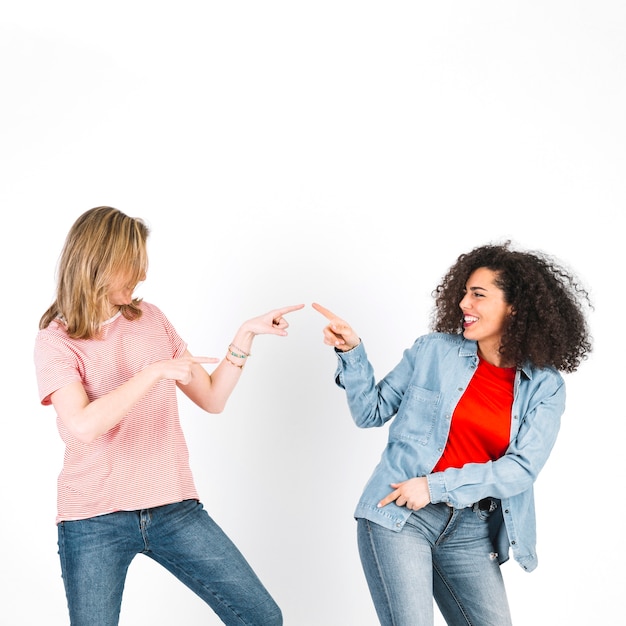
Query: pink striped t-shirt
x=143, y=461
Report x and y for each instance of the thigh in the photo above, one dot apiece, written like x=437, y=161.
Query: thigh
x=467, y=580
x=186, y=541
x=95, y=554
x=398, y=569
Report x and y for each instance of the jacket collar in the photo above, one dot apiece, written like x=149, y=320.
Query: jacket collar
x=469, y=348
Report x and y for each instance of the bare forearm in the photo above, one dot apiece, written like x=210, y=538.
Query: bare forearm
x=88, y=420
x=212, y=391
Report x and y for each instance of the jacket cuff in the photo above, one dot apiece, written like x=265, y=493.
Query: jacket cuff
x=350, y=358
x=437, y=488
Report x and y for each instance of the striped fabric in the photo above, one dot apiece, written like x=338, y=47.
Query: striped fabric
x=142, y=462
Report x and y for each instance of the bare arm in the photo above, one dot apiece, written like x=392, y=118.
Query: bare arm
x=211, y=391
x=88, y=420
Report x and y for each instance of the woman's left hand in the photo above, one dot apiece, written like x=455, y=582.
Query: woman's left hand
x=271, y=323
x=412, y=493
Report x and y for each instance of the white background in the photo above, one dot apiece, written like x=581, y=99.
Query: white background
x=289, y=152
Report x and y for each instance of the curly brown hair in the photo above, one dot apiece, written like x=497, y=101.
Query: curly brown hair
x=547, y=326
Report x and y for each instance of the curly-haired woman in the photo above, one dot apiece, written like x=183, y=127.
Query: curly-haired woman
x=477, y=406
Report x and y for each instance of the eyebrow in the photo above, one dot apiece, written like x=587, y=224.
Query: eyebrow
x=477, y=288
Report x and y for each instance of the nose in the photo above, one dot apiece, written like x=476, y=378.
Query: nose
x=463, y=304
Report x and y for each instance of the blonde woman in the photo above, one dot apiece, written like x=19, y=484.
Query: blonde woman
x=111, y=364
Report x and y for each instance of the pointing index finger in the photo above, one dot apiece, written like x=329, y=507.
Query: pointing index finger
x=324, y=311
x=204, y=359
x=289, y=309
x=388, y=499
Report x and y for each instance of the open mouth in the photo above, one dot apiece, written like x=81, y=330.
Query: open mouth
x=468, y=320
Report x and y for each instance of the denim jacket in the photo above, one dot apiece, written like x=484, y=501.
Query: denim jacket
x=422, y=392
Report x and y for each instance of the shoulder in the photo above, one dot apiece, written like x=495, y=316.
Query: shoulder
x=445, y=342
x=150, y=309
x=152, y=313
x=443, y=338
x=54, y=329
x=57, y=357
x=542, y=376
x=54, y=334
x=443, y=349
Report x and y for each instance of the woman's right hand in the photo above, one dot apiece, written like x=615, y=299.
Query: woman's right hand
x=86, y=420
x=181, y=369
x=337, y=333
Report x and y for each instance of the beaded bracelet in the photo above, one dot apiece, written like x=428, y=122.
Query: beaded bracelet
x=233, y=363
x=243, y=355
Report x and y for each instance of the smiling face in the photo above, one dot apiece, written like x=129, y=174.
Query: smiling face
x=485, y=311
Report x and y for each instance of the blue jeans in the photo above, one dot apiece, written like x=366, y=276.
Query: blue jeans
x=95, y=554
x=442, y=552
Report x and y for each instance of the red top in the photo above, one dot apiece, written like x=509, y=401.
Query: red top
x=481, y=423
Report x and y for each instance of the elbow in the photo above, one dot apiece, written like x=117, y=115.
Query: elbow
x=370, y=420
x=84, y=436
x=214, y=408
x=79, y=431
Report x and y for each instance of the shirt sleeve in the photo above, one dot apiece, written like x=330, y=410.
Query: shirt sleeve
x=56, y=366
x=372, y=404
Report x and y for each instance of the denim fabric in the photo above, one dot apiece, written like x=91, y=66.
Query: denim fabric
x=421, y=392
x=440, y=551
x=96, y=552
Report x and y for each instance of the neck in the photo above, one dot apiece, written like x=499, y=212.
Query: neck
x=493, y=356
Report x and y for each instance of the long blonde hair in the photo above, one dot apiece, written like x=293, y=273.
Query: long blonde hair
x=102, y=245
